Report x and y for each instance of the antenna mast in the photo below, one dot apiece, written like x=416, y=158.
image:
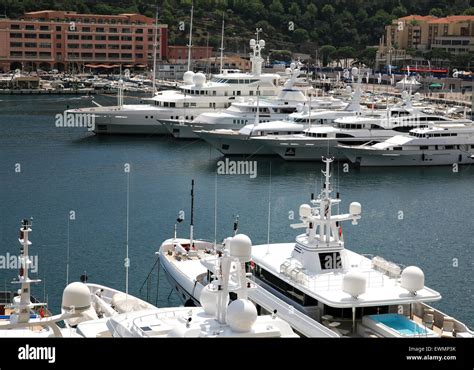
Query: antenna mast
x=190, y=45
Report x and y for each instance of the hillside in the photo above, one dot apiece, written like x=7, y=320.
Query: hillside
x=296, y=25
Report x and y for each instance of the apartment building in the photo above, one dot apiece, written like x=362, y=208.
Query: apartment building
x=63, y=40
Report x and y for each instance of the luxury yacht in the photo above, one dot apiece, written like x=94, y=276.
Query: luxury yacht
x=353, y=294
x=216, y=318
x=317, y=285
x=232, y=142
x=368, y=127
x=244, y=112
x=443, y=144
x=193, y=97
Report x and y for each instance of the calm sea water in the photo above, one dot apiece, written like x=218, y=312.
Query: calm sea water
x=71, y=169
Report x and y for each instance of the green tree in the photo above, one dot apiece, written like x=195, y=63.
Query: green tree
x=437, y=12
x=325, y=53
x=328, y=11
x=469, y=11
x=300, y=35
x=295, y=10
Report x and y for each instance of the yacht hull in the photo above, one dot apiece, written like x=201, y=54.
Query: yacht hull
x=235, y=144
x=187, y=130
x=379, y=158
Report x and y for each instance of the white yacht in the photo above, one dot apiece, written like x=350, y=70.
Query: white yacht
x=368, y=127
x=193, y=97
x=353, y=294
x=217, y=318
x=243, y=112
x=232, y=142
x=24, y=316
x=444, y=144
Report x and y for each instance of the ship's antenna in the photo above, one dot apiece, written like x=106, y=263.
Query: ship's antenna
x=215, y=212
x=127, y=260
x=269, y=206
x=67, y=251
x=155, y=45
x=190, y=45
x=222, y=42
x=191, y=226
x=236, y=224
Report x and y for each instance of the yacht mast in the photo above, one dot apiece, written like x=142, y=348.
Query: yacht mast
x=191, y=226
x=222, y=43
x=155, y=46
x=190, y=45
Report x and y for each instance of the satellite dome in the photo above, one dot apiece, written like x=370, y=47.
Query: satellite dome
x=199, y=79
x=413, y=279
x=253, y=42
x=292, y=65
x=405, y=95
x=241, y=247
x=288, y=71
x=188, y=77
x=77, y=297
x=354, y=283
x=241, y=315
x=348, y=89
x=261, y=43
x=208, y=300
x=305, y=210
x=355, y=208
x=299, y=107
x=355, y=71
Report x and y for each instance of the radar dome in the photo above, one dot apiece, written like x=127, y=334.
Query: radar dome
x=355, y=71
x=299, y=107
x=253, y=42
x=241, y=315
x=305, y=210
x=354, y=283
x=199, y=79
x=349, y=89
x=413, y=279
x=208, y=300
x=404, y=95
x=261, y=43
x=292, y=65
x=241, y=247
x=77, y=297
x=288, y=71
x=417, y=96
x=355, y=208
x=188, y=77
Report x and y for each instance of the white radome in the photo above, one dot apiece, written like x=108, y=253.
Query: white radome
x=199, y=79
x=208, y=300
x=354, y=283
x=241, y=315
x=188, y=77
x=241, y=247
x=76, y=296
x=355, y=208
x=305, y=210
x=413, y=279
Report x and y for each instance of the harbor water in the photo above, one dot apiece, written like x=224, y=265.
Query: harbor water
x=74, y=185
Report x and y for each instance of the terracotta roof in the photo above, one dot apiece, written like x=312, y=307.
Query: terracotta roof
x=417, y=17
x=454, y=18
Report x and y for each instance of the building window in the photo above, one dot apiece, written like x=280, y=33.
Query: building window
x=58, y=28
x=58, y=37
x=16, y=54
x=113, y=38
x=99, y=29
x=100, y=55
x=73, y=37
x=113, y=30
x=113, y=46
x=86, y=29
x=139, y=47
x=138, y=38
x=139, y=56
x=44, y=54
x=30, y=54
x=113, y=55
x=30, y=44
x=16, y=35
x=58, y=46
x=29, y=27
x=126, y=38
x=86, y=37
x=100, y=37
x=15, y=27
x=16, y=44
x=44, y=36
x=44, y=28
x=73, y=46
x=30, y=35
x=126, y=47
x=45, y=45
x=127, y=56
